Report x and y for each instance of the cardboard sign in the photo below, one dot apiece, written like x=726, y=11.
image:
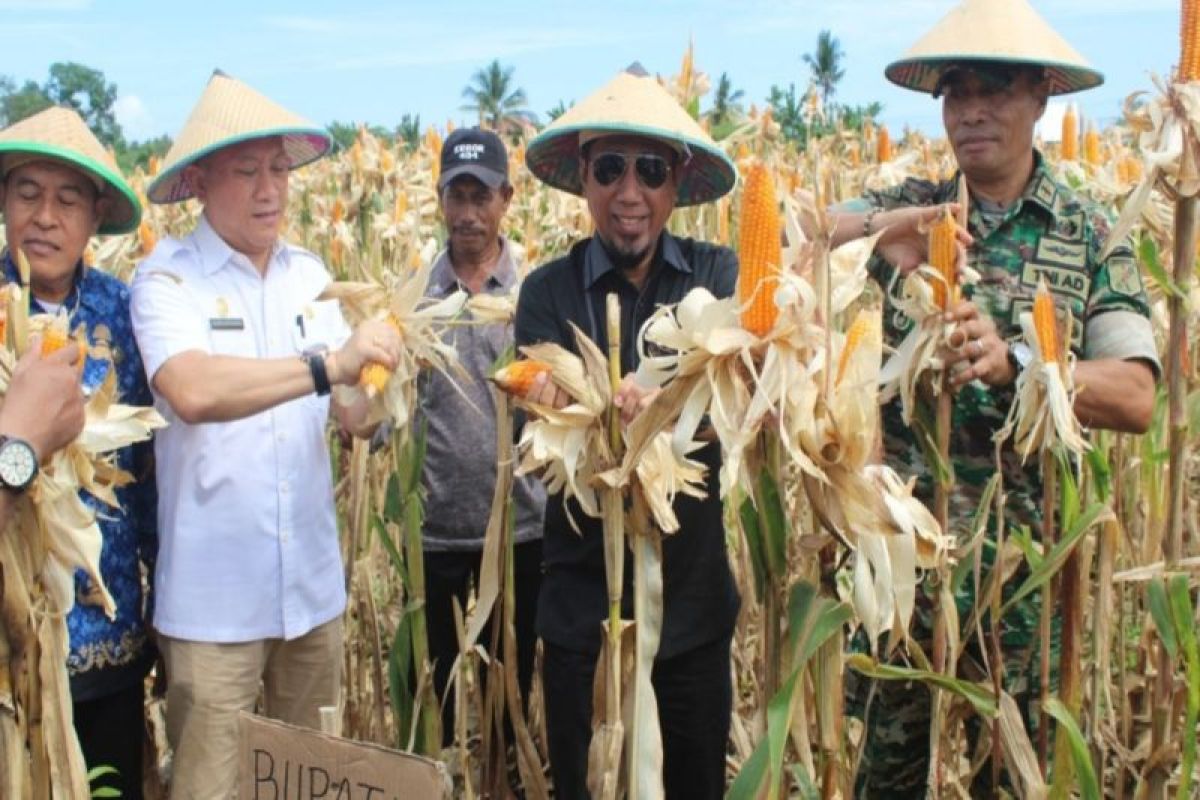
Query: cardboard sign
x=284, y=762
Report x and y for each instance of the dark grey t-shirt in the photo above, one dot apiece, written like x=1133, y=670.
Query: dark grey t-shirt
x=460, y=457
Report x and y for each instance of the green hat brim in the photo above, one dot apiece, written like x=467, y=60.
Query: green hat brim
x=921, y=74
x=126, y=210
x=303, y=145
x=553, y=156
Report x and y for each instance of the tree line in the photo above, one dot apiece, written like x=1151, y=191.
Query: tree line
x=492, y=96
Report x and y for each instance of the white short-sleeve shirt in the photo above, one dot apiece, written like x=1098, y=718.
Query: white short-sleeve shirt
x=248, y=545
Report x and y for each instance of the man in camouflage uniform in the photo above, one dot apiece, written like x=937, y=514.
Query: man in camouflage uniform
x=1024, y=226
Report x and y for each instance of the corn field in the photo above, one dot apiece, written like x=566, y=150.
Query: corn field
x=1123, y=567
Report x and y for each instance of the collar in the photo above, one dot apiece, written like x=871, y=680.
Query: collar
x=596, y=263
x=215, y=252
x=443, y=280
x=76, y=297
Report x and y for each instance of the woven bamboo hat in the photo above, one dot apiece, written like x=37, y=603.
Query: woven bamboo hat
x=230, y=112
x=1007, y=31
x=60, y=134
x=632, y=104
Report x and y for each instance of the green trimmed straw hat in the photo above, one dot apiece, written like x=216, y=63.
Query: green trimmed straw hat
x=1005, y=31
x=230, y=112
x=634, y=105
x=60, y=134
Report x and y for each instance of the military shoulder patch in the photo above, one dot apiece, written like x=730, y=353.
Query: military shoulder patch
x=1124, y=276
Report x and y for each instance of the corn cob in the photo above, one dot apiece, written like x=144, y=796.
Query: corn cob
x=516, y=377
x=862, y=327
x=1091, y=146
x=759, y=252
x=387, y=162
x=943, y=252
x=883, y=145
x=374, y=377
x=400, y=208
x=1070, y=134
x=339, y=211
x=1045, y=323
x=146, y=237
x=1189, y=40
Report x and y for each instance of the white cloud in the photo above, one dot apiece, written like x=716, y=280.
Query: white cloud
x=135, y=119
x=44, y=5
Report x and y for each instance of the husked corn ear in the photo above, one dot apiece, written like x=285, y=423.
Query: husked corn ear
x=374, y=377
x=1070, y=134
x=146, y=238
x=517, y=377
x=866, y=324
x=760, y=252
x=1091, y=146
x=1189, y=40
x=400, y=207
x=943, y=256
x=339, y=211
x=54, y=338
x=1045, y=322
x=883, y=145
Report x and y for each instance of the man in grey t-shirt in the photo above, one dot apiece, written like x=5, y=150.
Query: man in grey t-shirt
x=460, y=462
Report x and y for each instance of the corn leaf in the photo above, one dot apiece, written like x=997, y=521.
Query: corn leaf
x=1160, y=612
x=1181, y=611
x=773, y=524
x=752, y=533
x=1053, y=561
x=1089, y=787
x=978, y=695
x=1148, y=255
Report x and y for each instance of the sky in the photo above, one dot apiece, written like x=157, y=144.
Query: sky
x=360, y=61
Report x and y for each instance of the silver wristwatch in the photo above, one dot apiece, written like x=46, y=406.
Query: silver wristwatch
x=18, y=463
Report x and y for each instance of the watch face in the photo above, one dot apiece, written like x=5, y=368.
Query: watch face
x=17, y=464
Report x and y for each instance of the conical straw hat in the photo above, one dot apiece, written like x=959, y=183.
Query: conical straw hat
x=60, y=134
x=227, y=113
x=1009, y=31
x=634, y=105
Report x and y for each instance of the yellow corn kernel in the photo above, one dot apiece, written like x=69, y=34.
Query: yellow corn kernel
x=1189, y=40
x=866, y=323
x=760, y=252
x=943, y=256
x=374, y=377
x=883, y=145
x=1069, y=149
x=1045, y=322
x=146, y=238
x=516, y=377
x=1091, y=146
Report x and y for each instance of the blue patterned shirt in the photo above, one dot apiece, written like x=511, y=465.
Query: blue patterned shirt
x=108, y=656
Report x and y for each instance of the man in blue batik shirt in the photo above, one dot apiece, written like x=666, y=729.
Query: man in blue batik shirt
x=58, y=187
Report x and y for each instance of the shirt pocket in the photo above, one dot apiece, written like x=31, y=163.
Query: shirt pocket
x=233, y=342
x=318, y=325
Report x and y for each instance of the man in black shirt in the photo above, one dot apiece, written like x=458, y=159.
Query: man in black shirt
x=635, y=155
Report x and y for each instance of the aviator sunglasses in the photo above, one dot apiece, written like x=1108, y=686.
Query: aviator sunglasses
x=652, y=170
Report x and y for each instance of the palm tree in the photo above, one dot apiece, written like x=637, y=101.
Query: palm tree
x=726, y=101
x=826, y=64
x=492, y=96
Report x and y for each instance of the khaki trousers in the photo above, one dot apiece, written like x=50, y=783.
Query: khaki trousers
x=209, y=683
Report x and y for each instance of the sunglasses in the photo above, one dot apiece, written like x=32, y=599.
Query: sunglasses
x=652, y=170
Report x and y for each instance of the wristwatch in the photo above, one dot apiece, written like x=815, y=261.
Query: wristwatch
x=315, y=359
x=1020, y=356
x=18, y=463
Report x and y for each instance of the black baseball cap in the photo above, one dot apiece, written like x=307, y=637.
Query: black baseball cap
x=475, y=152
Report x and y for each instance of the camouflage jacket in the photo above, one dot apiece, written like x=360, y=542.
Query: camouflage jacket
x=1050, y=233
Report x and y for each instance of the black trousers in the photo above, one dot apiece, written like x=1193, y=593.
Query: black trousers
x=447, y=575
x=111, y=730
x=695, y=704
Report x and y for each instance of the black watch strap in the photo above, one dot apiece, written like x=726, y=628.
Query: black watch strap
x=316, y=366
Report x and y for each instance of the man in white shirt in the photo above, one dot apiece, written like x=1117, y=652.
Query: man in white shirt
x=241, y=356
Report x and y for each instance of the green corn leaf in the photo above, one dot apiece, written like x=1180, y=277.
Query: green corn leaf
x=1185, y=632
x=1089, y=787
x=752, y=533
x=1148, y=256
x=773, y=522
x=1160, y=612
x=978, y=695
x=1053, y=561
